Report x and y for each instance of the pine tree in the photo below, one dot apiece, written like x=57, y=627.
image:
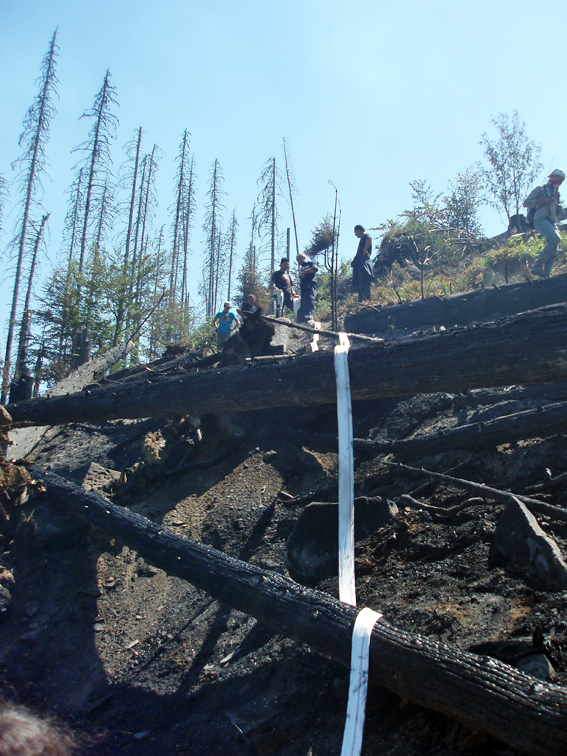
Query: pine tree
x=146, y=213
x=3, y=198
x=97, y=160
x=211, y=227
x=104, y=211
x=129, y=180
x=187, y=218
x=292, y=190
x=249, y=276
x=34, y=138
x=73, y=219
x=183, y=160
x=25, y=328
x=183, y=215
x=269, y=182
x=230, y=244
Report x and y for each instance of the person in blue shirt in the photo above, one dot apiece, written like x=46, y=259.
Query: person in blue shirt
x=222, y=323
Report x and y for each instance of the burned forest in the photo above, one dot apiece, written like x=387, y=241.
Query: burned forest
x=168, y=570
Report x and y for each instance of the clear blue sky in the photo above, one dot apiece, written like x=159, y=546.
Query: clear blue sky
x=370, y=95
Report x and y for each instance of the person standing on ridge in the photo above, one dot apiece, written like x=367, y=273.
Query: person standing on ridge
x=362, y=273
x=222, y=323
x=545, y=202
x=308, y=286
x=282, y=281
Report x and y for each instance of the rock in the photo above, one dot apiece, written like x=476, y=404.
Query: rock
x=97, y=478
x=312, y=548
x=537, y=665
x=55, y=531
x=32, y=608
x=527, y=656
x=269, y=456
x=521, y=546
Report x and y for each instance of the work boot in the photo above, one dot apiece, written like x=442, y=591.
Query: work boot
x=536, y=271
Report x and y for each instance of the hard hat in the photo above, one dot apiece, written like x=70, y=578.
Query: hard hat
x=557, y=173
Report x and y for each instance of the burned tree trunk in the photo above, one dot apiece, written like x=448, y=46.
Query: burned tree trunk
x=483, y=693
x=461, y=309
x=541, y=422
x=528, y=348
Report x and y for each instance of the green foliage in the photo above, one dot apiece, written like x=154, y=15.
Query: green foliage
x=495, y=266
x=462, y=203
x=251, y=281
x=321, y=237
x=513, y=163
x=345, y=296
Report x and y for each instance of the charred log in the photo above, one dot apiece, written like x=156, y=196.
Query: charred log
x=541, y=422
x=484, y=694
x=528, y=348
x=460, y=309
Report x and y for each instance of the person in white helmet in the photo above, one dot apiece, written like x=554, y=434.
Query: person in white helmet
x=545, y=201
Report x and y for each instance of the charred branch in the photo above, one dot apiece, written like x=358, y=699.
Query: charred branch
x=534, y=505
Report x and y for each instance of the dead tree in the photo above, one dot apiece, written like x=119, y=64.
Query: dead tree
x=97, y=157
x=34, y=136
x=482, y=693
x=133, y=154
x=211, y=227
x=542, y=422
x=25, y=328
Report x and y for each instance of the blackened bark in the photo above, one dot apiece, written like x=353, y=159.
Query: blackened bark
x=525, y=349
x=460, y=309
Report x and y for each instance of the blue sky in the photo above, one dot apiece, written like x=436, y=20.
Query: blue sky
x=369, y=94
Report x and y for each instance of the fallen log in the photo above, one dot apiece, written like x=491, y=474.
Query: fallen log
x=461, y=309
x=483, y=693
x=541, y=422
x=528, y=348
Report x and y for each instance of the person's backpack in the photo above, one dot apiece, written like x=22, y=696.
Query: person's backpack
x=530, y=217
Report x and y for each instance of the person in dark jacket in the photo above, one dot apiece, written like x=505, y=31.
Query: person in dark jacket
x=308, y=286
x=362, y=273
x=282, y=281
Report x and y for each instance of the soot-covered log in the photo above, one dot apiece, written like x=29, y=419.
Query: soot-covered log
x=483, y=693
x=528, y=348
x=461, y=309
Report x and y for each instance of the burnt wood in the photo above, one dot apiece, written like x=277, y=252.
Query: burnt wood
x=541, y=422
x=525, y=349
x=483, y=693
x=460, y=309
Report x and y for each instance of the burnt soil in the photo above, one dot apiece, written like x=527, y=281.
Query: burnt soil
x=138, y=662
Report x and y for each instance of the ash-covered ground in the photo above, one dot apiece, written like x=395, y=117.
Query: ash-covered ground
x=138, y=662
